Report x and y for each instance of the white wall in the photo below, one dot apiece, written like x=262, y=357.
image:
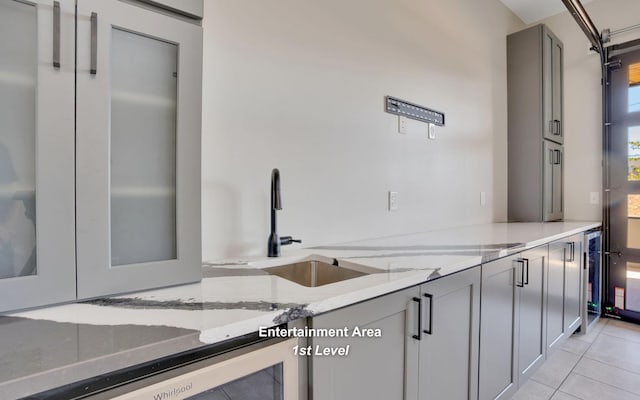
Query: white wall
x=582, y=100
x=299, y=85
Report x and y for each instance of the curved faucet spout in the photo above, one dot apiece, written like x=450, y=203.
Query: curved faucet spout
x=275, y=241
x=276, y=200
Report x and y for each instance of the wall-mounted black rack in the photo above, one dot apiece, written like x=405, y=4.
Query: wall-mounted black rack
x=414, y=111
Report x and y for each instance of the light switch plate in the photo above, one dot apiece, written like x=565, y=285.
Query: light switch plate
x=483, y=198
x=594, y=198
x=431, y=128
x=393, y=201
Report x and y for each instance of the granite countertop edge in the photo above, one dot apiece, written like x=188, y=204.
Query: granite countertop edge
x=214, y=313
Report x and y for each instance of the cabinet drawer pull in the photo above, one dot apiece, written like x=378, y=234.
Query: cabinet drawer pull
x=56, y=34
x=430, y=330
x=94, y=44
x=572, y=251
x=419, y=335
x=521, y=283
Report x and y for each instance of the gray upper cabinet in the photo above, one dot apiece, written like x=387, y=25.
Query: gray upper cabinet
x=100, y=152
x=138, y=148
x=553, y=178
x=37, y=237
x=535, y=124
x=190, y=8
x=552, y=54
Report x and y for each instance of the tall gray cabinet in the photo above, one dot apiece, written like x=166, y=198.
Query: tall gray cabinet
x=100, y=103
x=535, y=126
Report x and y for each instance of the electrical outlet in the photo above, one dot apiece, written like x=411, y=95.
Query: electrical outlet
x=402, y=124
x=483, y=198
x=431, y=129
x=594, y=198
x=393, y=201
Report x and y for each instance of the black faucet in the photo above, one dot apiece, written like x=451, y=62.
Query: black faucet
x=276, y=204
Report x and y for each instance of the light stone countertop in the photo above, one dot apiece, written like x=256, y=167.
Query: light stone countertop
x=49, y=347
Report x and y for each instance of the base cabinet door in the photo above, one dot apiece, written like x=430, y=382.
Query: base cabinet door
x=448, y=365
x=498, y=375
x=573, y=283
x=530, y=316
x=375, y=367
x=555, y=294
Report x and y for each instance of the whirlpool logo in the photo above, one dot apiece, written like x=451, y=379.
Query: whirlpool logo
x=173, y=392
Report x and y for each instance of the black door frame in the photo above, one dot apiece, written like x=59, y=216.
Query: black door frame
x=613, y=273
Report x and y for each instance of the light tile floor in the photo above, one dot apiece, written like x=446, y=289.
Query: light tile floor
x=602, y=365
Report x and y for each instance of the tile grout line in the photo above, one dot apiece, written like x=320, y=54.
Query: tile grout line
x=604, y=383
x=613, y=365
x=577, y=362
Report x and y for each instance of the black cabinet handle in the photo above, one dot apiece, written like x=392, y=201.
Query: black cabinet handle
x=419, y=335
x=94, y=44
x=521, y=283
x=526, y=264
x=430, y=330
x=572, y=251
x=56, y=34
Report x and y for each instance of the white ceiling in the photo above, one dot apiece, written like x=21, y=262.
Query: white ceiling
x=534, y=10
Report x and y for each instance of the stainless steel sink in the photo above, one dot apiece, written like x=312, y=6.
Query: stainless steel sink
x=314, y=273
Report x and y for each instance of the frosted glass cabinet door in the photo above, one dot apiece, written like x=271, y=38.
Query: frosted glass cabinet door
x=37, y=249
x=138, y=149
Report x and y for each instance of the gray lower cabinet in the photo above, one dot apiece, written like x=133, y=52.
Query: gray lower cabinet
x=498, y=378
x=512, y=340
x=428, y=347
x=375, y=368
x=531, y=311
x=564, y=289
x=448, y=354
x=573, y=283
x=555, y=294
